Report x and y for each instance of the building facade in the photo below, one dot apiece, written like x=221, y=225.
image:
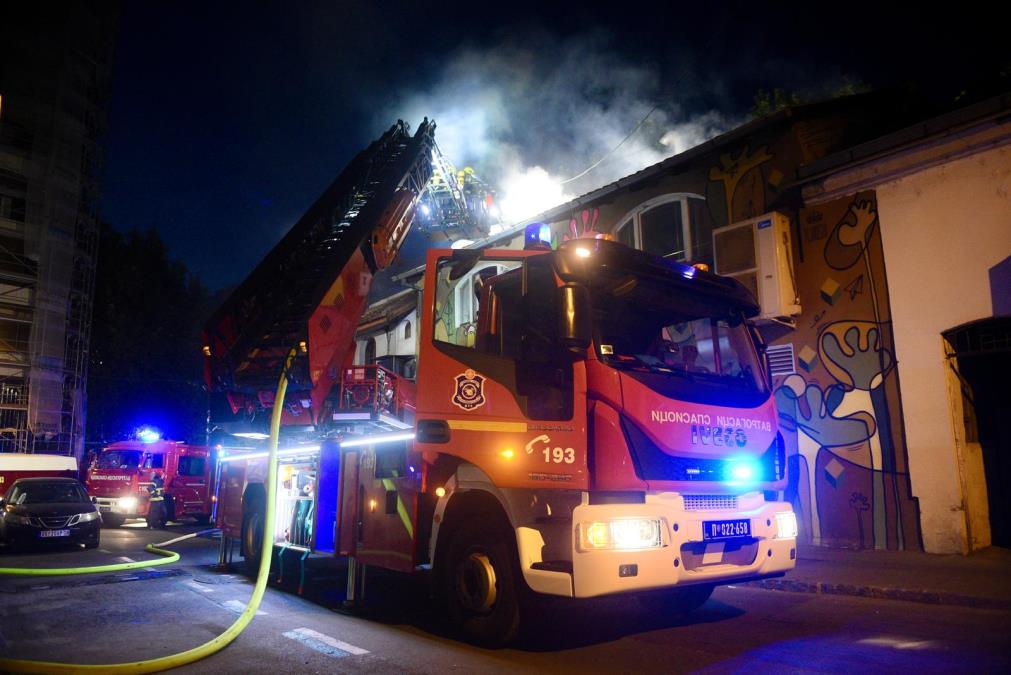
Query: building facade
x=53, y=77
x=868, y=407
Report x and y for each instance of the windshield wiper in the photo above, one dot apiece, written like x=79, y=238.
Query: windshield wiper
x=640, y=362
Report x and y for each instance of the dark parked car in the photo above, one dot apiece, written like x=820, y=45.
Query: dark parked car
x=48, y=510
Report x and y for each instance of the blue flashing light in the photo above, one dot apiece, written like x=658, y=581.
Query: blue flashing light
x=537, y=236
x=743, y=470
x=148, y=435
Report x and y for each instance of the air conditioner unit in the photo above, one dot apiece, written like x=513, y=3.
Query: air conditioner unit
x=758, y=253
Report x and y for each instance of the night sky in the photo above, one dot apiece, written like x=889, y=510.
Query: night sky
x=227, y=120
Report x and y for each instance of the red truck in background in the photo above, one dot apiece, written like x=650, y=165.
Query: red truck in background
x=15, y=465
x=123, y=472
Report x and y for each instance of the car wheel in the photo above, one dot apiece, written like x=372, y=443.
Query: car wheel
x=91, y=544
x=482, y=584
x=252, y=537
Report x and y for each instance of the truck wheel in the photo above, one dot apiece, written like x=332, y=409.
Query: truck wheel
x=112, y=520
x=203, y=518
x=481, y=584
x=676, y=600
x=252, y=536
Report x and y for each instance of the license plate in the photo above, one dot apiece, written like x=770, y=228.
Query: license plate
x=726, y=529
x=104, y=509
x=54, y=533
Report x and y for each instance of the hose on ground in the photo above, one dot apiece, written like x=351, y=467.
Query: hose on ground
x=233, y=631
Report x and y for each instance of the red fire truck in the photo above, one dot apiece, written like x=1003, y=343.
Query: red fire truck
x=15, y=465
x=122, y=474
x=586, y=421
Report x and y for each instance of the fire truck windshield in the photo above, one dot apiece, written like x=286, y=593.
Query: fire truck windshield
x=674, y=345
x=119, y=459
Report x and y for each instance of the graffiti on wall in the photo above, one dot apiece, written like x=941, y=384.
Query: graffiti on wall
x=850, y=482
x=840, y=411
x=737, y=185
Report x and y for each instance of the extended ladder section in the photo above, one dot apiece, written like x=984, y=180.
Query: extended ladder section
x=309, y=292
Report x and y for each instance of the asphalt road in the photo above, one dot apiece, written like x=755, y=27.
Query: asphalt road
x=143, y=614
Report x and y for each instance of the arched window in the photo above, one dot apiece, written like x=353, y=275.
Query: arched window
x=675, y=225
x=407, y=330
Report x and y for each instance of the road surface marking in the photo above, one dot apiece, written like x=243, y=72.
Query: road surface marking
x=102, y=550
x=238, y=607
x=197, y=587
x=125, y=559
x=324, y=643
x=896, y=642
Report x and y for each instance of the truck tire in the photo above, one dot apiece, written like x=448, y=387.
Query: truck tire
x=482, y=583
x=677, y=600
x=202, y=518
x=252, y=536
x=112, y=520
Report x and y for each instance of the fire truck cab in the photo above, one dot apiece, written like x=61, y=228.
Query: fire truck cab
x=122, y=474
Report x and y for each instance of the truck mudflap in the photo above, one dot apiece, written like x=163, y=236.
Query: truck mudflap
x=669, y=540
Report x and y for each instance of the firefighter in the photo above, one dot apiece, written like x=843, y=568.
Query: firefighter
x=156, y=514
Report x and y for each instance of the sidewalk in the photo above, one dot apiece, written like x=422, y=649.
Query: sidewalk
x=982, y=579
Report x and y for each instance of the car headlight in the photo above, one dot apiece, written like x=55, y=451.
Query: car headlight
x=786, y=525
x=17, y=520
x=88, y=517
x=127, y=503
x=624, y=534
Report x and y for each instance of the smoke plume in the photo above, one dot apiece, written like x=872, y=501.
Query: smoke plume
x=528, y=117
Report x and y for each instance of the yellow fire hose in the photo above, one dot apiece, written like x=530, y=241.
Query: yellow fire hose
x=208, y=648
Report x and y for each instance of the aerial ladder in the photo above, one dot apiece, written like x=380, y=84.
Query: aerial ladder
x=309, y=294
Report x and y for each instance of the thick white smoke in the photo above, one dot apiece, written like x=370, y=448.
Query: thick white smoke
x=527, y=117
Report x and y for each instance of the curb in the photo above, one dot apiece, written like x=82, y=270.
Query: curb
x=881, y=593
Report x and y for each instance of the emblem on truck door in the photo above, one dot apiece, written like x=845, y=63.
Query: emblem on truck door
x=469, y=390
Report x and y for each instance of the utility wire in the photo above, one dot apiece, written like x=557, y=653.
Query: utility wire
x=615, y=148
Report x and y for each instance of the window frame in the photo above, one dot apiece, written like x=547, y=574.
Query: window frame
x=633, y=219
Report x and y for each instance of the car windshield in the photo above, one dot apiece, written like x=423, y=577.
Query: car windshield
x=660, y=336
x=119, y=459
x=48, y=493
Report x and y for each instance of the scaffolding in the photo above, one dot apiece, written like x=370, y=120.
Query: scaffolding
x=49, y=161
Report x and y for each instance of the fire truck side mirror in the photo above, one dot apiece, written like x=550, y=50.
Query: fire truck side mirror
x=574, y=318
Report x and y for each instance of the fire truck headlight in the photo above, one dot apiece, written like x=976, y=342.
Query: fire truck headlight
x=624, y=534
x=786, y=525
x=127, y=503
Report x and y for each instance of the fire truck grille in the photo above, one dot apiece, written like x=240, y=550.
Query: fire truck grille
x=55, y=522
x=710, y=502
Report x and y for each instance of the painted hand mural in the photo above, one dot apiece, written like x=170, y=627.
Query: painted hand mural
x=860, y=360
x=813, y=414
x=851, y=235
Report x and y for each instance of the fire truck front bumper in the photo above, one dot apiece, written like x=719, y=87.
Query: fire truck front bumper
x=128, y=506
x=672, y=540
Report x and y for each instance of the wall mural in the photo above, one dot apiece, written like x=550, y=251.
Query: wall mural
x=737, y=185
x=841, y=412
